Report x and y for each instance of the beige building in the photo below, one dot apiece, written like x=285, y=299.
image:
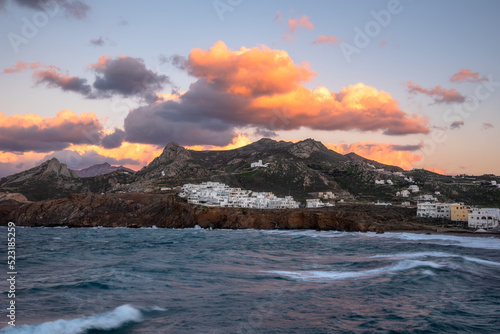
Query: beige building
x=460, y=212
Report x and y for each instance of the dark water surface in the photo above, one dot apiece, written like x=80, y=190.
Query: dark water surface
x=220, y=281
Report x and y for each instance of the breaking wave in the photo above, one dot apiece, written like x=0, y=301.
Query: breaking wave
x=119, y=317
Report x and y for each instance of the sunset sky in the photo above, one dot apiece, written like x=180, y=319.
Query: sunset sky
x=409, y=83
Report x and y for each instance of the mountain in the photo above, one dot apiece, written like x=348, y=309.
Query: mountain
x=51, y=179
x=101, y=169
x=296, y=169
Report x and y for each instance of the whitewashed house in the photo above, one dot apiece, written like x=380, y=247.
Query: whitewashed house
x=414, y=188
x=484, y=218
x=258, y=164
x=427, y=210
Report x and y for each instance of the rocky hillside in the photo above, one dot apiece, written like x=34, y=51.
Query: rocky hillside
x=296, y=169
x=101, y=169
x=143, y=210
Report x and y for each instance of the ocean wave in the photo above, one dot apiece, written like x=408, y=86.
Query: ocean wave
x=321, y=276
x=119, y=317
x=436, y=254
x=447, y=240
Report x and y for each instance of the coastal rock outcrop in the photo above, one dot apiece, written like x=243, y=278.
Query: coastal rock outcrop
x=146, y=210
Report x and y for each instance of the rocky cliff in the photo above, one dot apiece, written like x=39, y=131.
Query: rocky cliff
x=143, y=210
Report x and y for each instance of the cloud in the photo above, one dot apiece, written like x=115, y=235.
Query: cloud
x=278, y=17
x=76, y=160
x=23, y=133
x=456, y=125
x=407, y=147
x=385, y=153
x=97, y=41
x=438, y=93
x=302, y=23
x=53, y=78
x=322, y=39
x=487, y=126
x=114, y=139
x=260, y=88
x=125, y=76
x=239, y=141
x=76, y=8
x=22, y=66
x=465, y=75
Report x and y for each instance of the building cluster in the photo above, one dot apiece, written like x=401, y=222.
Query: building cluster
x=316, y=203
x=219, y=194
x=458, y=212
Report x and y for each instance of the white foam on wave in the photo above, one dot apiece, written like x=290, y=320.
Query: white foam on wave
x=447, y=240
x=435, y=254
x=308, y=233
x=120, y=316
x=316, y=275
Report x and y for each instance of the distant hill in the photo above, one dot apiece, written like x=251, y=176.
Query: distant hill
x=296, y=169
x=101, y=169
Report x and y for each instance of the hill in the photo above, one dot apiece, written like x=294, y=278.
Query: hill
x=101, y=169
x=297, y=169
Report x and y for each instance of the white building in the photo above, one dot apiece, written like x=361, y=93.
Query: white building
x=427, y=210
x=379, y=182
x=403, y=193
x=413, y=188
x=316, y=203
x=426, y=197
x=443, y=210
x=219, y=194
x=484, y=218
x=389, y=182
x=258, y=164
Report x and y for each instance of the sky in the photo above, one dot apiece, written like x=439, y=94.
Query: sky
x=411, y=83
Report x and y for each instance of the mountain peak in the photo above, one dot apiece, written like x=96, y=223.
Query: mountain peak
x=303, y=149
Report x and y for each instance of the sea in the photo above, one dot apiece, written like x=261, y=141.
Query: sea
x=152, y=280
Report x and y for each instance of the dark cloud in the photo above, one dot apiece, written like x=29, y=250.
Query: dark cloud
x=123, y=21
x=97, y=41
x=127, y=76
x=406, y=147
x=76, y=8
x=179, y=62
x=456, y=125
x=438, y=93
x=9, y=168
x=50, y=134
x=161, y=123
x=53, y=78
x=265, y=133
x=75, y=160
x=113, y=140
x=2, y=5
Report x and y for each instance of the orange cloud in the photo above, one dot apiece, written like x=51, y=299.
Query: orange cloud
x=143, y=153
x=438, y=93
x=303, y=22
x=248, y=72
x=23, y=66
x=465, y=75
x=262, y=89
x=24, y=133
x=323, y=39
x=239, y=141
x=384, y=153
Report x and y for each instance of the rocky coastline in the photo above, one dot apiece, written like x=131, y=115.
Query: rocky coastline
x=137, y=210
